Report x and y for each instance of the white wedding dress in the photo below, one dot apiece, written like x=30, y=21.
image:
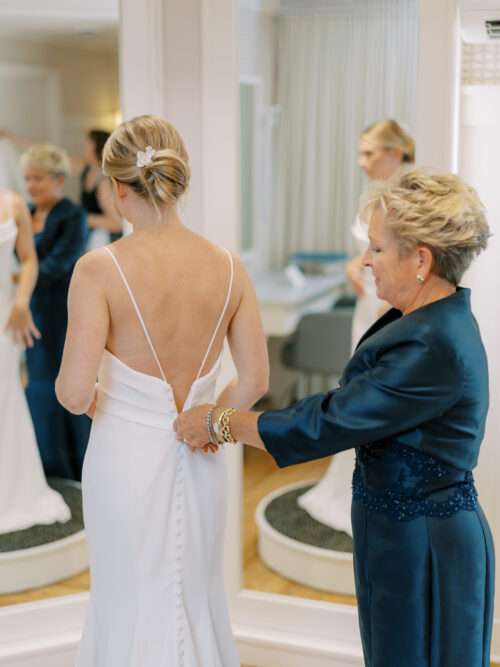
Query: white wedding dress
x=154, y=514
x=25, y=497
x=329, y=501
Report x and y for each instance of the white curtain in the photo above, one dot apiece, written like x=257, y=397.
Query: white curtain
x=11, y=177
x=341, y=66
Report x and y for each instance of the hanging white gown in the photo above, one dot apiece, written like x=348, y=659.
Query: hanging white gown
x=154, y=514
x=25, y=497
x=11, y=175
x=329, y=501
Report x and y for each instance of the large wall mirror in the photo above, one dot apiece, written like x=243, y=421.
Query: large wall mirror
x=59, y=97
x=313, y=77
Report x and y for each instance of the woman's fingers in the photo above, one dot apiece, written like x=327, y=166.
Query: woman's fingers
x=191, y=428
x=28, y=339
x=34, y=329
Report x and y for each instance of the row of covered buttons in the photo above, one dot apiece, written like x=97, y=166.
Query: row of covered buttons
x=179, y=549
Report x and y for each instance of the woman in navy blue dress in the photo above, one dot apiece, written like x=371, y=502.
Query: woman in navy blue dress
x=60, y=231
x=412, y=402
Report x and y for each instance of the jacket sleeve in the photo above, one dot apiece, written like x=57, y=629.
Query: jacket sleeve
x=412, y=382
x=67, y=248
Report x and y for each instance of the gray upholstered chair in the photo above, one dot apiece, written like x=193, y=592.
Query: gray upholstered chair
x=319, y=350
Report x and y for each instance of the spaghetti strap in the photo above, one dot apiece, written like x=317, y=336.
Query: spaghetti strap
x=138, y=312
x=226, y=304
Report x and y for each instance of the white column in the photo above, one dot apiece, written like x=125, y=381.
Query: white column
x=438, y=75
x=479, y=150
x=180, y=60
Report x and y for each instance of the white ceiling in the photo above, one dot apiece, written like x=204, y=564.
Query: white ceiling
x=87, y=24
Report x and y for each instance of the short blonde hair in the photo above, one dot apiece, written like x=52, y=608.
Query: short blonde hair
x=389, y=134
x=49, y=158
x=439, y=211
x=166, y=178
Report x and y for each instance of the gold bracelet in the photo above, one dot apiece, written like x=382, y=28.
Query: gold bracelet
x=224, y=424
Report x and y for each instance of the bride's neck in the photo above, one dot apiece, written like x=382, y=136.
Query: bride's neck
x=147, y=218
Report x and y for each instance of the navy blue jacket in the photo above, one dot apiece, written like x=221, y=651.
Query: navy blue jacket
x=419, y=380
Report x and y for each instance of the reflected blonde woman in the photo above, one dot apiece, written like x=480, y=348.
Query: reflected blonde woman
x=386, y=151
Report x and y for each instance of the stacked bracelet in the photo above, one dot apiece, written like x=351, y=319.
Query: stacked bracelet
x=210, y=426
x=224, y=424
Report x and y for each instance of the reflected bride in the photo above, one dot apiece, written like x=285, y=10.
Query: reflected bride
x=25, y=497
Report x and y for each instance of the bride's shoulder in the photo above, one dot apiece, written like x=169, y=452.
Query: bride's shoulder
x=94, y=265
x=11, y=200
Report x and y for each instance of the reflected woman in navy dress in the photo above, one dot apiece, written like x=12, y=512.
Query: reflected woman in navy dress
x=60, y=232
x=412, y=402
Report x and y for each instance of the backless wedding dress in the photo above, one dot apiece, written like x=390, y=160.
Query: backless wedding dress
x=25, y=497
x=154, y=514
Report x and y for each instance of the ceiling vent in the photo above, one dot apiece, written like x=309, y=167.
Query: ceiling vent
x=493, y=29
x=480, y=21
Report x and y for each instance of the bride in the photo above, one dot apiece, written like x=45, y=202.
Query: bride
x=149, y=315
x=25, y=497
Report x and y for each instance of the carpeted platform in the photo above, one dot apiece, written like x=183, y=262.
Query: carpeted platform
x=288, y=518
x=38, y=535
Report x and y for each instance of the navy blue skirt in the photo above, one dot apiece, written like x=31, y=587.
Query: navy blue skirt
x=425, y=588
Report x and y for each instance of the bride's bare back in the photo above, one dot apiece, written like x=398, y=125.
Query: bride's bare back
x=180, y=282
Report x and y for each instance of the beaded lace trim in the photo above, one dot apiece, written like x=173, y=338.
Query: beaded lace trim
x=405, y=499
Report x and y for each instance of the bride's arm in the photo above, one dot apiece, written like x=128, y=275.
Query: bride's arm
x=20, y=322
x=88, y=324
x=248, y=346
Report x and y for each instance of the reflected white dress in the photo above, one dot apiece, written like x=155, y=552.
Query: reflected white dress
x=154, y=514
x=329, y=501
x=25, y=497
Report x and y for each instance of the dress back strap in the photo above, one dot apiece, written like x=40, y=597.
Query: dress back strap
x=138, y=312
x=223, y=313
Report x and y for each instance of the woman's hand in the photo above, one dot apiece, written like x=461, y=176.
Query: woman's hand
x=21, y=325
x=354, y=272
x=191, y=428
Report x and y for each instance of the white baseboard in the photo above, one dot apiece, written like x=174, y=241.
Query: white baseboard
x=495, y=644
x=46, y=634
x=271, y=649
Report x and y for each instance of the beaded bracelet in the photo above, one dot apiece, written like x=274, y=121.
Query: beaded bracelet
x=210, y=426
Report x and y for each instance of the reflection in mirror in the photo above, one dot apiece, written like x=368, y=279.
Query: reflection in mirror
x=59, y=92
x=324, y=80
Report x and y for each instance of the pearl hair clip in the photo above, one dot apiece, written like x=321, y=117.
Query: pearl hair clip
x=145, y=158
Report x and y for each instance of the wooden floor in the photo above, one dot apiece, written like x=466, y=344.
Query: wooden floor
x=261, y=476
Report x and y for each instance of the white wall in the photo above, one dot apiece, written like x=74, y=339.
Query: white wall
x=88, y=85
x=479, y=151
x=438, y=84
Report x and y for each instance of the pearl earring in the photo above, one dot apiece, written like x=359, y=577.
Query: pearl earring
x=420, y=279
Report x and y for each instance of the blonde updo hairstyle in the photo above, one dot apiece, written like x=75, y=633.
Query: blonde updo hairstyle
x=166, y=178
x=48, y=158
x=438, y=211
x=389, y=134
